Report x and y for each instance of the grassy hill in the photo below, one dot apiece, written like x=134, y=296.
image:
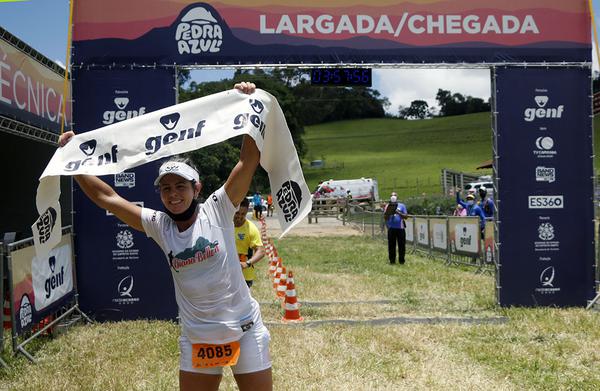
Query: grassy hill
x=406, y=156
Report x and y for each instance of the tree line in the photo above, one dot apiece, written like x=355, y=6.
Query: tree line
x=302, y=104
x=449, y=104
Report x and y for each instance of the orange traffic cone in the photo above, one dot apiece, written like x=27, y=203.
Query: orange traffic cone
x=272, y=267
x=292, y=308
x=280, y=271
x=6, y=323
x=282, y=287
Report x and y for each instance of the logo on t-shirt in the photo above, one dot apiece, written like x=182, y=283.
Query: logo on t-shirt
x=201, y=251
x=289, y=198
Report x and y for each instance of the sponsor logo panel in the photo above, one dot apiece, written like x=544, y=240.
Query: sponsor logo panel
x=545, y=202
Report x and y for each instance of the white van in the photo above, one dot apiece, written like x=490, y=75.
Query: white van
x=474, y=187
x=363, y=189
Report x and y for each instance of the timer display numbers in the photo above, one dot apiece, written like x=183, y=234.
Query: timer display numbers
x=342, y=77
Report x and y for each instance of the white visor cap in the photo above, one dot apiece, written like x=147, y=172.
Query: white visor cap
x=177, y=168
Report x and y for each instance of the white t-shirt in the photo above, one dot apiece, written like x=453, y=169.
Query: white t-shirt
x=214, y=301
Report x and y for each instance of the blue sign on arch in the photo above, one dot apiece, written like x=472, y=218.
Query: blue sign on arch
x=121, y=273
x=545, y=195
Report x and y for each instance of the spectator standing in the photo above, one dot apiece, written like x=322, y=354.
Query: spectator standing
x=257, y=201
x=486, y=203
x=395, y=215
x=269, y=205
x=247, y=242
x=472, y=209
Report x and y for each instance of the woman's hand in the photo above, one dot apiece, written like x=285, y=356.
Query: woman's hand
x=246, y=87
x=65, y=138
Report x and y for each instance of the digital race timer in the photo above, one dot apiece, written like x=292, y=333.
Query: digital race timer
x=342, y=77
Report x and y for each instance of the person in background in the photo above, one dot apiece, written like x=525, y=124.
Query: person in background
x=270, y=205
x=472, y=209
x=394, y=215
x=459, y=211
x=247, y=242
x=486, y=203
x=257, y=201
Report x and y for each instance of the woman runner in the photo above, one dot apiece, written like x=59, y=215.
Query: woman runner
x=221, y=323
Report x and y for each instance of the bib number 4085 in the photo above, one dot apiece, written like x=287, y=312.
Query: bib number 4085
x=207, y=355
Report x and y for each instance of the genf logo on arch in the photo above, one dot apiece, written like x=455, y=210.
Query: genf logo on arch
x=543, y=107
x=121, y=102
x=199, y=31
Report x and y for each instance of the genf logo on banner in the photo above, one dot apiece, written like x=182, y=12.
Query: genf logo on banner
x=169, y=122
x=465, y=237
x=541, y=111
x=88, y=148
x=121, y=102
x=51, y=276
x=198, y=32
x=289, y=198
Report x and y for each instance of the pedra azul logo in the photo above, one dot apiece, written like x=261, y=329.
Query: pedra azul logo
x=198, y=32
x=45, y=224
x=289, y=198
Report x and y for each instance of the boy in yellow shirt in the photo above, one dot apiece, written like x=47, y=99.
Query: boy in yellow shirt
x=247, y=241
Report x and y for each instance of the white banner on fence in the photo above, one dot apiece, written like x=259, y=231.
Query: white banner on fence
x=422, y=231
x=466, y=238
x=439, y=232
x=410, y=229
x=52, y=276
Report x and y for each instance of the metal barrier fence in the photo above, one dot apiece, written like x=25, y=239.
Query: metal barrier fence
x=456, y=240
x=42, y=291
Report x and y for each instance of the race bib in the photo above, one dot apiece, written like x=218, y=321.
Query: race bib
x=207, y=355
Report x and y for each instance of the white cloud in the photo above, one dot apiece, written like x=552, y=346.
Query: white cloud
x=402, y=86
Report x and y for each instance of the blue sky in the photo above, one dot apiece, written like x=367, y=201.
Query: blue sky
x=43, y=25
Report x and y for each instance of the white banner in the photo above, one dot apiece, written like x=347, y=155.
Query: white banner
x=410, y=230
x=422, y=232
x=52, y=276
x=177, y=129
x=440, y=234
x=466, y=237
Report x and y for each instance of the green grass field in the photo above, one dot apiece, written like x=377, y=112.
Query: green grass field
x=399, y=153
x=349, y=278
